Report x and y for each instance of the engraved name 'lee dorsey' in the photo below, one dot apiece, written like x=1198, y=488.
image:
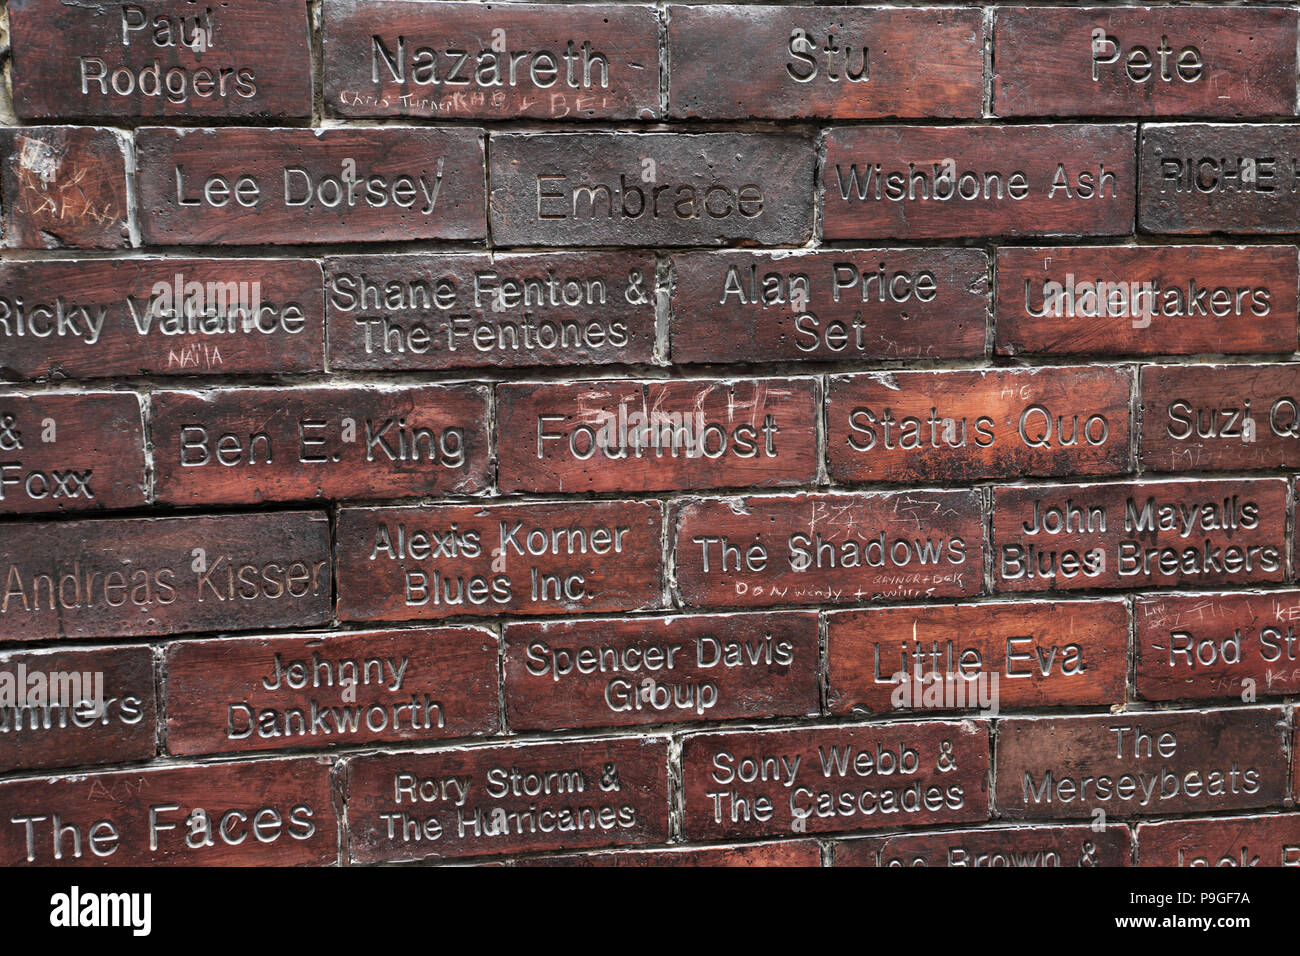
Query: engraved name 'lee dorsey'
x=315, y=189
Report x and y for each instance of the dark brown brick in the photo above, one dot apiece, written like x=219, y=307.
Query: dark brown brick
x=829, y=548
x=316, y=690
x=161, y=58
x=660, y=189
x=56, y=730
x=558, y=62
x=735, y=62
x=1146, y=300
x=1044, y=846
x=1026, y=654
x=780, y=853
x=829, y=306
x=1231, y=646
x=1134, y=764
x=960, y=426
x=1204, y=178
x=249, y=445
x=268, y=812
x=1139, y=534
x=102, y=318
x=63, y=187
x=1220, y=417
x=445, y=561
x=398, y=313
x=70, y=451
x=489, y=800
x=1230, y=841
x=838, y=778
x=879, y=181
x=624, y=673
x=139, y=577
x=1169, y=61
x=251, y=186
x=618, y=436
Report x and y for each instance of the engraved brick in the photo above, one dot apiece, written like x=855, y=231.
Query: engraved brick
x=138, y=577
x=914, y=182
x=249, y=445
x=1170, y=61
x=735, y=62
x=629, y=672
x=659, y=189
x=1139, y=534
x=838, y=778
x=277, y=186
x=451, y=560
x=504, y=61
x=829, y=548
x=829, y=306
x=1146, y=300
x=612, y=436
x=1295, y=762
x=1204, y=178
x=1220, y=417
x=960, y=425
x=160, y=58
x=1043, y=846
x=104, y=318
x=779, y=853
x=319, y=690
x=58, y=730
x=1231, y=646
x=489, y=800
x=1230, y=841
x=63, y=187
x=70, y=451
x=267, y=812
x=1135, y=764
x=398, y=313
x=976, y=656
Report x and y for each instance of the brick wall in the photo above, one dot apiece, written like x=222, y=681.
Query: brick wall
x=649, y=434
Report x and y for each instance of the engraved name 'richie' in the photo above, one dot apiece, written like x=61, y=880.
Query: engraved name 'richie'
x=313, y=189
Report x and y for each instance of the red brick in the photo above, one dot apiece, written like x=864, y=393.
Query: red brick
x=1220, y=417
x=780, y=853
x=492, y=800
x=558, y=62
x=62, y=733
x=256, y=812
x=1044, y=846
x=126, y=317
x=712, y=189
x=372, y=686
x=508, y=559
x=612, y=436
x=101, y=59
x=70, y=451
x=793, y=550
x=1139, y=534
x=1194, y=178
x=249, y=186
x=140, y=577
x=560, y=308
x=1229, y=841
x=735, y=62
x=1295, y=761
x=1040, y=654
x=829, y=306
x=1053, y=180
x=63, y=187
x=249, y=445
x=960, y=426
x=1170, y=61
x=1206, y=646
x=1132, y=764
x=828, y=779
x=1170, y=303
x=635, y=671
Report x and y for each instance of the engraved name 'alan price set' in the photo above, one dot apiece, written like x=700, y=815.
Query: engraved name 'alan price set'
x=649, y=434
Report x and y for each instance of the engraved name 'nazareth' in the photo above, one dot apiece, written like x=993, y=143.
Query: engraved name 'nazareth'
x=574, y=65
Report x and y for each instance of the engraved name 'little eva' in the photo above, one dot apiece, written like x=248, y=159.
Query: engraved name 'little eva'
x=315, y=189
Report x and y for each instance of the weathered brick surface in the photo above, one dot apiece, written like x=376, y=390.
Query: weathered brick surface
x=1042, y=846
x=1231, y=841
